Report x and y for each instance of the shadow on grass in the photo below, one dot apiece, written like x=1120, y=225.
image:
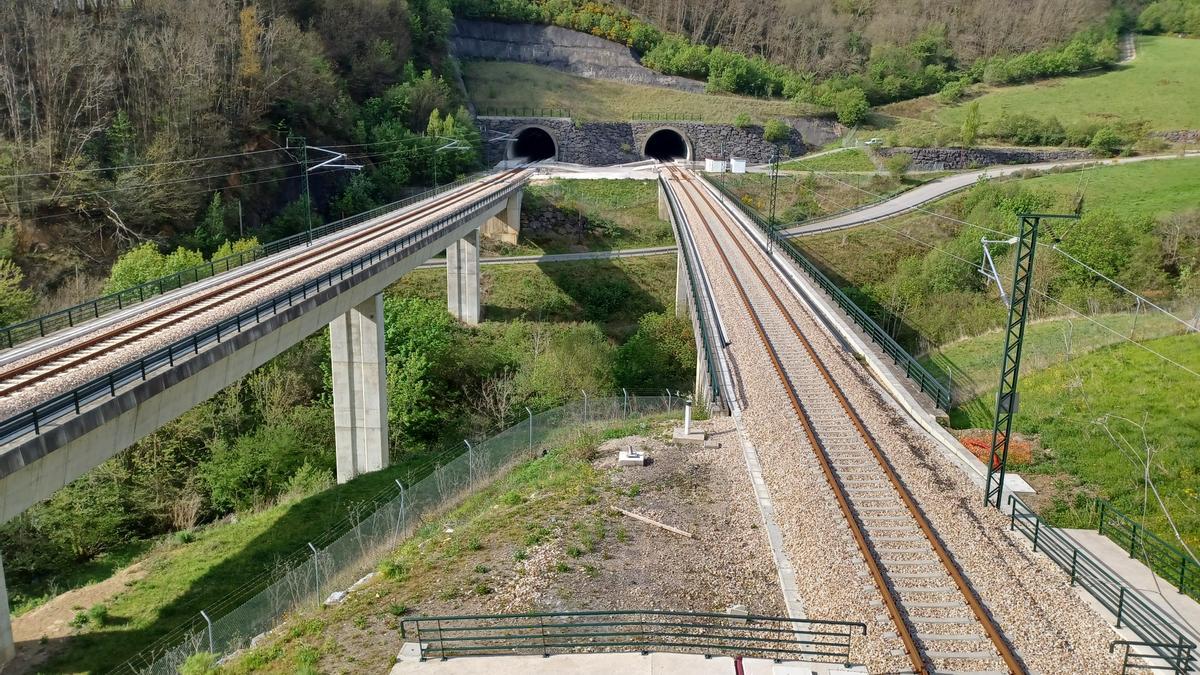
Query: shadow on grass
x=301, y=522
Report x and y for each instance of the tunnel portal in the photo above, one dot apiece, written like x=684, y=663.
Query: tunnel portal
x=533, y=144
x=666, y=145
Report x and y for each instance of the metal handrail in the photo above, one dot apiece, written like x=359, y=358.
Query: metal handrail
x=1131, y=609
x=666, y=117
x=702, y=318
x=493, y=111
x=1176, y=658
x=925, y=380
x=1176, y=566
x=39, y=327
x=637, y=630
x=106, y=386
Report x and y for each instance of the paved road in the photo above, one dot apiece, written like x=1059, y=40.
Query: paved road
x=939, y=188
x=562, y=257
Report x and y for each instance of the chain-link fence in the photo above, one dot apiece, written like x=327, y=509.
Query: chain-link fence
x=308, y=577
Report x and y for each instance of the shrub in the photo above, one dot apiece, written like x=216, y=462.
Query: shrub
x=899, y=164
x=775, y=131
x=201, y=663
x=15, y=302
x=741, y=120
x=1106, y=142
x=851, y=106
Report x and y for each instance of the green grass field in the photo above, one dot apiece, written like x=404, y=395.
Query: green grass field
x=502, y=84
x=1122, y=387
x=1160, y=86
x=603, y=215
x=1142, y=188
x=850, y=159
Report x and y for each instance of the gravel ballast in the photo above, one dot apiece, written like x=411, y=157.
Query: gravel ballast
x=1049, y=626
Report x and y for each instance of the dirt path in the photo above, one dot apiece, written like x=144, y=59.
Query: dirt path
x=53, y=619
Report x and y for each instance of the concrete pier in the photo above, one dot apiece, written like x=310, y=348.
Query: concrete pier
x=505, y=226
x=356, y=347
x=7, y=649
x=462, y=278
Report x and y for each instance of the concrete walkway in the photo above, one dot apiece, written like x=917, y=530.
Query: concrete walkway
x=562, y=257
x=934, y=190
x=1181, y=609
x=606, y=664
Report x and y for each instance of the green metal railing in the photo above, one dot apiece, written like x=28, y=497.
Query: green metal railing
x=24, y=331
x=1160, y=637
x=705, y=321
x=707, y=633
x=666, y=117
x=1168, y=562
x=1142, y=656
x=493, y=111
x=928, y=383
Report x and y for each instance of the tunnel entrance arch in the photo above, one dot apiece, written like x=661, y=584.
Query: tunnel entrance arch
x=667, y=145
x=533, y=143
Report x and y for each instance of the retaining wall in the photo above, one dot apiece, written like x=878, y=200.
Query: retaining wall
x=605, y=143
x=973, y=158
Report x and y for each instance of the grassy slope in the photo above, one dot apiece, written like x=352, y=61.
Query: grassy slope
x=1161, y=86
x=1143, y=188
x=850, y=159
x=185, y=578
x=613, y=292
x=520, y=85
x=814, y=195
x=618, y=214
x=1062, y=405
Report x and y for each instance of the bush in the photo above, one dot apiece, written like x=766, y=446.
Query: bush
x=201, y=663
x=145, y=263
x=1106, y=142
x=742, y=120
x=775, y=131
x=898, y=165
x=662, y=353
x=851, y=106
x=15, y=302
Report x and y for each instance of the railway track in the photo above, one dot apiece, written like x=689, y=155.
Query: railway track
x=939, y=619
x=20, y=378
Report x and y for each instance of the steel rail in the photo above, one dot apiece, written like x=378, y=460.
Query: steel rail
x=242, y=284
x=1007, y=654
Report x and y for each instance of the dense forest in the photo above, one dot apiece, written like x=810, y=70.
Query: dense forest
x=123, y=123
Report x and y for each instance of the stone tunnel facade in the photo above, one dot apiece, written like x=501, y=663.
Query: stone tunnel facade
x=605, y=143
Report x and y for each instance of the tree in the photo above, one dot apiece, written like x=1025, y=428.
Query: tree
x=662, y=353
x=851, y=106
x=970, y=125
x=898, y=164
x=145, y=263
x=1106, y=142
x=15, y=302
x=776, y=130
x=229, y=248
x=210, y=233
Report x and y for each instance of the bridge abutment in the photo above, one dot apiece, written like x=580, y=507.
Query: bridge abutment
x=462, y=278
x=356, y=346
x=506, y=225
x=7, y=648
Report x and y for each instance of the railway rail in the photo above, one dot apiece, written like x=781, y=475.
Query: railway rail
x=939, y=618
x=20, y=379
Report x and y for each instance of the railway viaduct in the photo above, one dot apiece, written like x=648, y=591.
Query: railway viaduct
x=62, y=445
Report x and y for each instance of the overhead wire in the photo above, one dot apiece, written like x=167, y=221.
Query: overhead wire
x=214, y=158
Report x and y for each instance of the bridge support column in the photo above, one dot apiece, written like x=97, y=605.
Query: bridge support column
x=700, y=389
x=359, y=390
x=462, y=278
x=506, y=225
x=7, y=648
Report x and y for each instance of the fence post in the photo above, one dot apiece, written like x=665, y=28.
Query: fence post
x=624, y=403
x=585, y=409
x=1037, y=526
x=400, y=514
x=1120, y=605
x=1074, y=559
x=1133, y=541
x=211, y=649
x=470, y=463
x=1183, y=563
x=530, y=430
x=1100, y=527
x=316, y=572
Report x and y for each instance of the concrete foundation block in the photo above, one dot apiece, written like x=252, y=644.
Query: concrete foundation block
x=410, y=652
x=694, y=437
x=631, y=457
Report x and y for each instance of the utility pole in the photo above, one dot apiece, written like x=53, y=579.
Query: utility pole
x=302, y=143
x=241, y=224
x=774, y=195
x=1010, y=368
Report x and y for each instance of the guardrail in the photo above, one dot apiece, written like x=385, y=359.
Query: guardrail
x=72, y=401
x=492, y=111
x=337, y=558
x=666, y=117
x=1132, y=611
x=702, y=316
x=925, y=380
x=1174, y=565
x=1142, y=656
x=24, y=331
x=707, y=633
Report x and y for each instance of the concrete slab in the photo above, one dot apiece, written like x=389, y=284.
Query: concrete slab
x=1183, y=610
x=605, y=664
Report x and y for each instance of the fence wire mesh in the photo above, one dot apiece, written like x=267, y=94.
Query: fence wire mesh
x=310, y=576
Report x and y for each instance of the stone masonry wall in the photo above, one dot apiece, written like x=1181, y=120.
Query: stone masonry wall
x=559, y=48
x=605, y=143
x=969, y=158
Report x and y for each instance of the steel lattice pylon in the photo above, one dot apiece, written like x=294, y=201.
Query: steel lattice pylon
x=1014, y=338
